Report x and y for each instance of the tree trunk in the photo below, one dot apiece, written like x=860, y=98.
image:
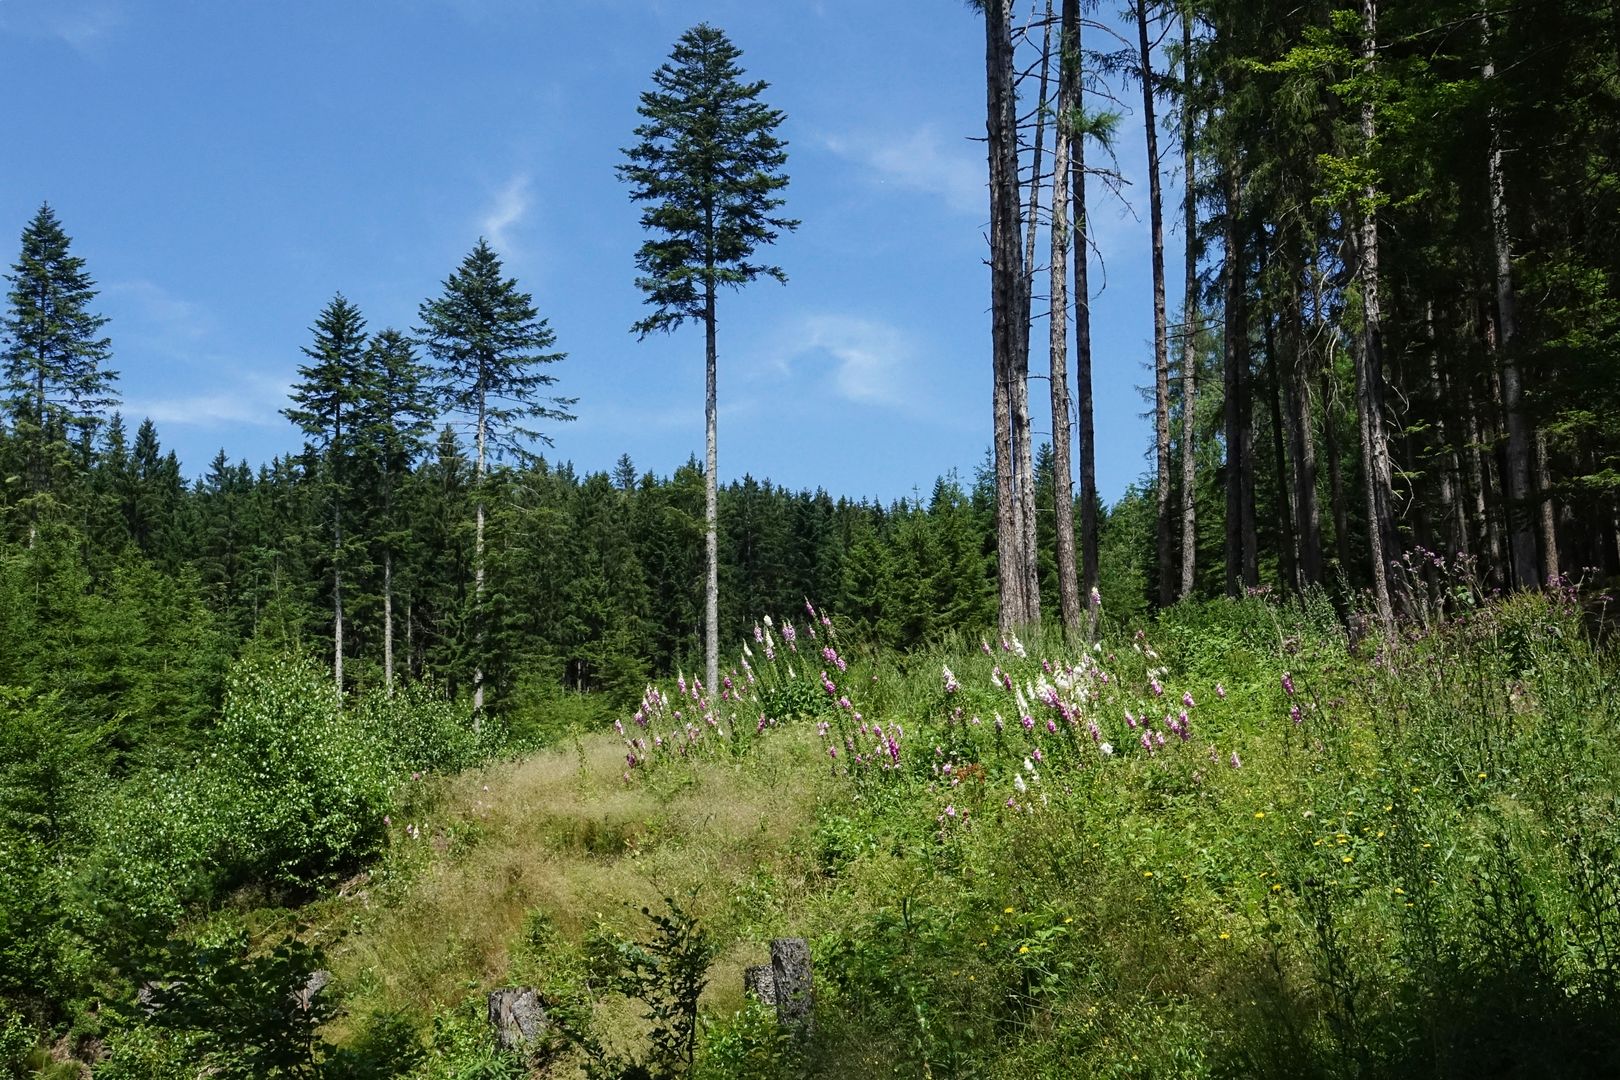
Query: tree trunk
x=1301, y=428
x=1073, y=31
x=1287, y=552
x=1023, y=429
x=478, y=570
x=388, y=620
x=1234, y=362
x=1062, y=465
x=1161, y=345
x=1007, y=310
x=1451, y=507
x=1189, y=328
x=1519, y=493
x=1547, y=511
x=711, y=496
x=1369, y=354
x=1336, y=496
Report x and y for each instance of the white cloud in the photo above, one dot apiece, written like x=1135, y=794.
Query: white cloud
x=923, y=159
x=509, y=208
x=81, y=24
x=155, y=313
x=256, y=400
x=871, y=361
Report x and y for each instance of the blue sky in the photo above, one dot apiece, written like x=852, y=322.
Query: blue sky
x=225, y=168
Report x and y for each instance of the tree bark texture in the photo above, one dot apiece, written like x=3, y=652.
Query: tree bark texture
x=1058, y=369
x=1161, y=345
x=1301, y=430
x=1008, y=322
x=1369, y=355
x=711, y=498
x=1234, y=362
x=1189, y=328
x=1074, y=30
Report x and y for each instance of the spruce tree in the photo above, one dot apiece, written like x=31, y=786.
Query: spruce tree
x=394, y=419
x=708, y=169
x=325, y=404
x=490, y=344
x=52, y=353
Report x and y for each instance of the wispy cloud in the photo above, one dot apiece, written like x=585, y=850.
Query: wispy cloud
x=155, y=313
x=255, y=400
x=84, y=25
x=871, y=362
x=922, y=160
x=506, y=211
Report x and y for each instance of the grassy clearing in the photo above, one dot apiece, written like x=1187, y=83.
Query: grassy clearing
x=561, y=836
x=1385, y=857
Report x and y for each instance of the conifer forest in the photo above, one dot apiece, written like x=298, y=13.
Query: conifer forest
x=426, y=749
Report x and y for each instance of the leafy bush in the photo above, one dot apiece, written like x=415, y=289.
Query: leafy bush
x=308, y=783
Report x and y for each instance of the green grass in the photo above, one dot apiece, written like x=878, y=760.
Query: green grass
x=1416, y=878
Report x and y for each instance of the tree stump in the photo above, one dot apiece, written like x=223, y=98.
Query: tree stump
x=304, y=997
x=790, y=971
x=759, y=983
x=517, y=1017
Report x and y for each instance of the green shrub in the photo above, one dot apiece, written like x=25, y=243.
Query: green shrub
x=309, y=785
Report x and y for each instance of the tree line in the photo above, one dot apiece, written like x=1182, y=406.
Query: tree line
x=1402, y=282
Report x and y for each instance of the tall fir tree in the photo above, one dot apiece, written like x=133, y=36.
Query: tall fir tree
x=326, y=401
x=393, y=421
x=491, y=346
x=708, y=166
x=53, y=356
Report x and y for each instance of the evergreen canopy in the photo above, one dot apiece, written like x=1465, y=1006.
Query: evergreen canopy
x=708, y=169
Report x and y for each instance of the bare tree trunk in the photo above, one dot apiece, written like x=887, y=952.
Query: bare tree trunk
x=388, y=620
x=711, y=496
x=337, y=628
x=1369, y=354
x=1022, y=427
x=1062, y=465
x=1161, y=344
x=1235, y=359
x=1189, y=328
x=1006, y=306
x=1548, y=512
x=1287, y=553
x=1296, y=380
x=1519, y=493
x=1450, y=473
x=478, y=569
x=1072, y=32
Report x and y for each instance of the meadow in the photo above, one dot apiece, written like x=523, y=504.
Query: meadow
x=1231, y=842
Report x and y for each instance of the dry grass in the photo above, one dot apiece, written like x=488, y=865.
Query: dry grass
x=561, y=833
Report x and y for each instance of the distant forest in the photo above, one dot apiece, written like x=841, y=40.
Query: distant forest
x=1403, y=252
